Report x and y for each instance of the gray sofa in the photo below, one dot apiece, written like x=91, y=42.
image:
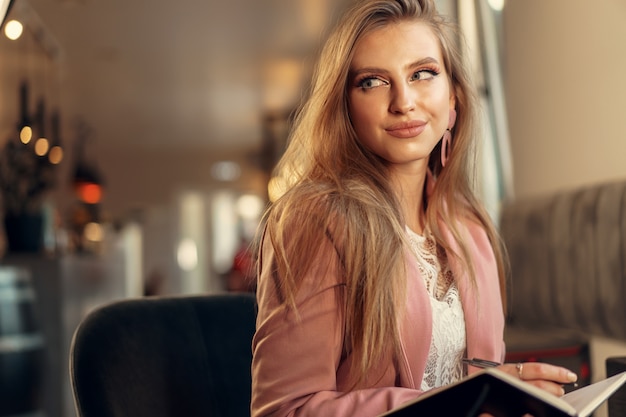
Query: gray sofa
x=567, y=253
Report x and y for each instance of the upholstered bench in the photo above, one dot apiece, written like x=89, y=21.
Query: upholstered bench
x=568, y=273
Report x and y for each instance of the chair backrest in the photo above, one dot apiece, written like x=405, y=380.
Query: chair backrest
x=165, y=357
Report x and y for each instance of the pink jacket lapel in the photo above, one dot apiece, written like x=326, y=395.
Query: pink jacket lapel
x=482, y=306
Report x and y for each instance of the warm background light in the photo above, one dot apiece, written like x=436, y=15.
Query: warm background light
x=41, y=146
x=187, y=254
x=56, y=155
x=13, y=29
x=250, y=206
x=89, y=193
x=497, y=5
x=93, y=232
x=26, y=134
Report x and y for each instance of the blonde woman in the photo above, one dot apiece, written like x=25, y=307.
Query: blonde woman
x=379, y=271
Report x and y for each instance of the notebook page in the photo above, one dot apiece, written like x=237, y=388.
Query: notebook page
x=586, y=399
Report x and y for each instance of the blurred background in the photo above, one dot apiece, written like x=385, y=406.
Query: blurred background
x=162, y=122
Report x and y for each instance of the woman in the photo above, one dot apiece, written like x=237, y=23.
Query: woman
x=379, y=271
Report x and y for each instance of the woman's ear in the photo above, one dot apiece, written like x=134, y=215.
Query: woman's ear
x=452, y=99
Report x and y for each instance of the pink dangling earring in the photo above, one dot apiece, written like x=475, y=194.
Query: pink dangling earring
x=447, y=138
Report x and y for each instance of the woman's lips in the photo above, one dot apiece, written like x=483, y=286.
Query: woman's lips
x=406, y=129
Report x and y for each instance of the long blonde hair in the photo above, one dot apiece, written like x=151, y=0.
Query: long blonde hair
x=334, y=188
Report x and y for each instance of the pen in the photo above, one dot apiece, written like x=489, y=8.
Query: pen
x=480, y=363
x=484, y=363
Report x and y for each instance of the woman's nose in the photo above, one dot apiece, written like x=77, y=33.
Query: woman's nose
x=403, y=99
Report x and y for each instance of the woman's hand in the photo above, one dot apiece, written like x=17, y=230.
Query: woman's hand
x=548, y=377
x=543, y=375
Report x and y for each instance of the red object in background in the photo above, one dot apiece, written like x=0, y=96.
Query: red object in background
x=242, y=276
x=243, y=262
x=89, y=193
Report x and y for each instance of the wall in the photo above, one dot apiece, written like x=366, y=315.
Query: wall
x=565, y=62
x=139, y=178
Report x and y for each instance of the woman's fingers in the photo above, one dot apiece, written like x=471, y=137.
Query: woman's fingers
x=548, y=386
x=543, y=375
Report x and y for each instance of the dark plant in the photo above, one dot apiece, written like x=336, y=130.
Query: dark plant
x=25, y=176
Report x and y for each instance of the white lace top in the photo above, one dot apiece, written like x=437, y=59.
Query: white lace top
x=447, y=347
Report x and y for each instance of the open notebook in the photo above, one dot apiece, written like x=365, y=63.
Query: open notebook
x=500, y=394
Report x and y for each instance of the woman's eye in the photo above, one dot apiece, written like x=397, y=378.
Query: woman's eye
x=423, y=75
x=371, y=82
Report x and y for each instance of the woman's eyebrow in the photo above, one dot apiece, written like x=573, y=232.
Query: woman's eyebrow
x=423, y=61
x=364, y=70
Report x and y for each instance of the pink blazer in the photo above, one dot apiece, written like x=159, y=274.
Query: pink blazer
x=299, y=365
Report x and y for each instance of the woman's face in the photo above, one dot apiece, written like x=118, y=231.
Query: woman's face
x=399, y=94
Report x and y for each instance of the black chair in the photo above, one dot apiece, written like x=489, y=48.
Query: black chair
x=165, y=357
